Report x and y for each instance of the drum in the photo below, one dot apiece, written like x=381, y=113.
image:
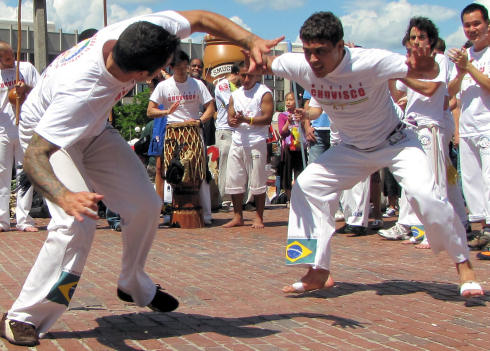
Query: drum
x=184, y=146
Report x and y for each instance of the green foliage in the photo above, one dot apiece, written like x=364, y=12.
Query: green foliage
x=280, y=106
x=128, y=116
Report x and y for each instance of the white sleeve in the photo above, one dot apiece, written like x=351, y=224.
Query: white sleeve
x=401, y=86
x=292, y=66
x=156, y=95
x=385, y=64
x=205, y=95
x=66, y=120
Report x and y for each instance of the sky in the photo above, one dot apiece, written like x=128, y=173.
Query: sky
x=369, y=23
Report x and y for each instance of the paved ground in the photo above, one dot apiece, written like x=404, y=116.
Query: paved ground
x=387, y=296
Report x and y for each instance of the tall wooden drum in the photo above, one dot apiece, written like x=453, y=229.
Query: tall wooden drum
x=183, y=143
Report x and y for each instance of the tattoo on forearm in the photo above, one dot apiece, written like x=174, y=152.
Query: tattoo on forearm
x=39, y=170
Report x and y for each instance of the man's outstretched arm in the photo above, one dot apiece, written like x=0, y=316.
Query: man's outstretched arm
x=220, y=26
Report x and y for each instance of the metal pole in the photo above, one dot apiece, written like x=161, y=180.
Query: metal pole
x=300, y=128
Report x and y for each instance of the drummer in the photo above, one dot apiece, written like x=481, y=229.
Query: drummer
x=184, y=96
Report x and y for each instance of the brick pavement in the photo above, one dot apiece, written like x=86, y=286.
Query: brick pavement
x=387, y=296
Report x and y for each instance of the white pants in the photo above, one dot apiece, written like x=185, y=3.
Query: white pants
x=11, y=154
x=223, y=142
x=316, y=190
x=355, y=203
x=474, y=153
x=248, y=165
x=107, y=165
x=435, y=143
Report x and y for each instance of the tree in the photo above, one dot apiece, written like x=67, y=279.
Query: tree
x=128, y=116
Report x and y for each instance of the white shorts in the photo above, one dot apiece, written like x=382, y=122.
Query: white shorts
x=244, y=163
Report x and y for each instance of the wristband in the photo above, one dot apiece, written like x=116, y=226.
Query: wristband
x=200, y=123
x=251, y=120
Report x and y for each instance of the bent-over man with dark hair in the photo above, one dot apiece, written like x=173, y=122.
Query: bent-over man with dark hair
x=76, y=159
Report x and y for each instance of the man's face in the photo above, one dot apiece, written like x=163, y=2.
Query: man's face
x=418, y=38
x=475, y=28
x=181, y=68
x=248, y=80
x=196, y=68
x=323, y=57
x=7, y=59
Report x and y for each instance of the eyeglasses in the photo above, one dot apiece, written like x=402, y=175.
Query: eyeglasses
x=198, y=66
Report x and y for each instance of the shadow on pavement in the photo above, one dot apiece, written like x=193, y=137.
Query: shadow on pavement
x=439, y=291
x=115, y=329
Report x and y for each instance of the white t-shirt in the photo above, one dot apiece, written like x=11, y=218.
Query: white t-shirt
x=191, y=94
x=27, y=74
x=475, y=102
x=222, y=94
x=430, y=110
x=355, y=95
x=248, y=102
x=74, y=95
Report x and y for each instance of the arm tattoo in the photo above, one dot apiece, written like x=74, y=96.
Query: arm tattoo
x=39, y=170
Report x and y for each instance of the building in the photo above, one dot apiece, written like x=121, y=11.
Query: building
x=59, y=41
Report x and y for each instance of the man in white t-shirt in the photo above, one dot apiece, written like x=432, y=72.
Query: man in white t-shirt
x=184, y=96
x=427, y=112
x=471, y=78
x=10, y=151
x=350, y=85
x=250, y=114
x=222, y=94
x=76, y=159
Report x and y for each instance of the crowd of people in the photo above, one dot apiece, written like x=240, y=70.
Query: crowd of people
x=366, y=114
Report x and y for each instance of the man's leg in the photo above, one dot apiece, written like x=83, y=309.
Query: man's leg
x=24, y=201
x=223, y=142
x=313, y=199
x=355, y=204
x=257, y=159
x=51, y=283
x=237, y=219
x=236, y=182
x=6, y=157
x=442, y=226
x=322, y=144
x=116, y=172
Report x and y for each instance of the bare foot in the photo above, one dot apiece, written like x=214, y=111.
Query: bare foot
x=235, y=222
x=30, y=229
x=258, y=224
x=422, y=245
x=467, y=275
x=408, y=242
x=314, y=279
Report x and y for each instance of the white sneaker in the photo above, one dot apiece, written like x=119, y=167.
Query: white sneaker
x=390, y=212
x=397, y=232
x=339, y=216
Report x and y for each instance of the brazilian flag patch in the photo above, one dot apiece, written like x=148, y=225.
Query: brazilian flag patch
x=64, y=288
x=300, y=251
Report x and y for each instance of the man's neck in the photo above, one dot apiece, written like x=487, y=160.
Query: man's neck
x=180, y=79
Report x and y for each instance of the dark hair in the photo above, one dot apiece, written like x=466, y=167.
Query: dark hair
x=440, y=45
x=426, y=25
x=179, y=56
x=475, y=7
x=144, y=46
x=235, y=69
x=242, y=64
x=322, y=26
x=87, y=33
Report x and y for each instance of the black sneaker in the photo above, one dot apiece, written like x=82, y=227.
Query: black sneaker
x=352, y=229
x=18, y=333
x=162, y=302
